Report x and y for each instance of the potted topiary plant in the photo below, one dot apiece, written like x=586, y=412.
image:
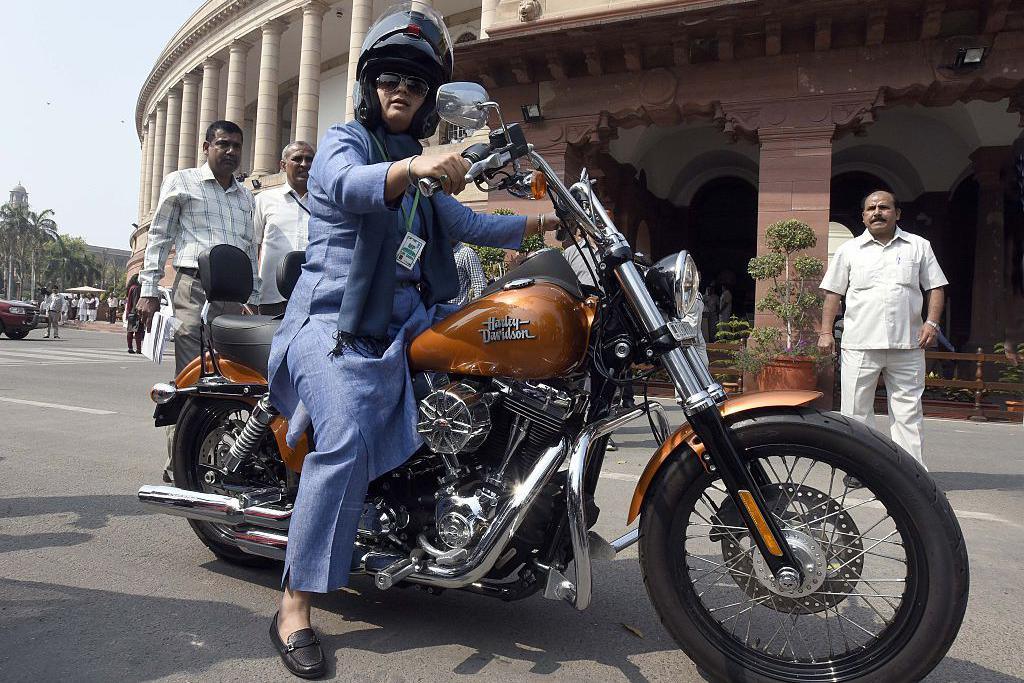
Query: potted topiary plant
x=734, y=332
x=784, y=356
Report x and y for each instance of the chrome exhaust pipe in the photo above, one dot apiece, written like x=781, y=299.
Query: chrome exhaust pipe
x=212, y=507
x=506, y=522
x=261, y=542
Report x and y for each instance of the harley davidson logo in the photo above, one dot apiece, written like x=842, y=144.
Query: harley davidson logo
x=505, y=329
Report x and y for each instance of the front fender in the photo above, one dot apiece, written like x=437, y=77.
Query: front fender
x=684, y=435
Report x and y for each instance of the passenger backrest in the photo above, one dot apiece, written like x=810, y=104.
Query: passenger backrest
x=226, y=274
x=288, y=272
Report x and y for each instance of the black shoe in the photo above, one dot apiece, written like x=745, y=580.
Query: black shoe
x=851, y=482
x=301, y=654
x=611, y=446
x=46, y=336
x=168, y=477
x=131, y=350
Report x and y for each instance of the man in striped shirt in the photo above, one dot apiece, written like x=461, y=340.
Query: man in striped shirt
x=198, y=208
x=472, y=280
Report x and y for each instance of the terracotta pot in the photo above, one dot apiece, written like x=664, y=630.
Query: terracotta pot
x=788, y=373
x=1015, y=406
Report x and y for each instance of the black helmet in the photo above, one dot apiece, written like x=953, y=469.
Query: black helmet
x=409, y=41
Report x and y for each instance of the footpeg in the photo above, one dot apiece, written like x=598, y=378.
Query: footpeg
x=559, y=587
x=398, y=571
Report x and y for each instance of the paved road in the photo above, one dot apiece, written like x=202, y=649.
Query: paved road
x=94, y=588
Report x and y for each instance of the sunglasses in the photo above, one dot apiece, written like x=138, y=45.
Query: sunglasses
x=389, y=82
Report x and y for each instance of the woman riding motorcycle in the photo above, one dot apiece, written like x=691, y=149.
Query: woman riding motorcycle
x=339, y=357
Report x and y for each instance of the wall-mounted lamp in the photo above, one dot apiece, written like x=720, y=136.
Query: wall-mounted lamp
x=969, y=57
x=532, y=113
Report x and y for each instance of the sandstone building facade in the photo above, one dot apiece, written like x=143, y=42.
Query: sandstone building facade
x=704, y=120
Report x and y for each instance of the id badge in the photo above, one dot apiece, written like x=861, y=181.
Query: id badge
x=410, y=250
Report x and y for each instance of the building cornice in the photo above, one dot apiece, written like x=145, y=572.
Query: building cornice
x=209, y=31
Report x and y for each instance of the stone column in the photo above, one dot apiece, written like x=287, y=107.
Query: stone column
x=210, y=100
x=158, y=154
x=234, y=109
x=487, y=13
x=146, y=169
x=187, y=134
x=362, y=15
x=267, y=130
x=294, y=103
x=989, y=288
x=308, y=94
x=173, y=130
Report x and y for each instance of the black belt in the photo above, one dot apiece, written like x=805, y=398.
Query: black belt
x=191, y=272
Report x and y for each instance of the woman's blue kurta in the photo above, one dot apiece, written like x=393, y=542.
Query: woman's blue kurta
x=361, y=407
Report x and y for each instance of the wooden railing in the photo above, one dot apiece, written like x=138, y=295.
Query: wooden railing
x=971, y=364
x=979, y=386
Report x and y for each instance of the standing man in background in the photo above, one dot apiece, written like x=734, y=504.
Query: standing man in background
x=198, y=208
x=281, y=222
x=53, y=305
x=881, y=273
x=472, y=280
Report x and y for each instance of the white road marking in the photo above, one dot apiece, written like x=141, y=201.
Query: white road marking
x=58, y=406
x=961, y=514
x=35, y=355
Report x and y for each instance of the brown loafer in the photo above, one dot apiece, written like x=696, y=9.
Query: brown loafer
x=301, y=654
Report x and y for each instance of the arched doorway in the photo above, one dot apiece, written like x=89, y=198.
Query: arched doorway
x=847, y=192
x=723, y=220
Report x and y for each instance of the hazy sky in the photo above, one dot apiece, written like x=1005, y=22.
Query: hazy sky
x=71, y=73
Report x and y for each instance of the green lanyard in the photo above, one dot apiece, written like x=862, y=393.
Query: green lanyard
x=416, y=199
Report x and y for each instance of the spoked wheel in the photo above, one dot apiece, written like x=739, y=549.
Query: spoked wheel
x=202, y=438
x=885, y=569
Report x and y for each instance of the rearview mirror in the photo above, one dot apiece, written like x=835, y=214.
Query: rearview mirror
x=461, y=104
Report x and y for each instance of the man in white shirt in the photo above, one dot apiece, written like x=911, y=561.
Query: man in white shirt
x=881, y=274
x=281, y=222
x=52, y=305
x=198, y=208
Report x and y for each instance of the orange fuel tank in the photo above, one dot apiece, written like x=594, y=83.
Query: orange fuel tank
x=536, y=331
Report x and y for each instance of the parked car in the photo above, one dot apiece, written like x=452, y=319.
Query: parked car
x=17, y=318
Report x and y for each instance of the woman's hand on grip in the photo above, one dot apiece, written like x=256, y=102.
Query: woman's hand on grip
x=448, y=169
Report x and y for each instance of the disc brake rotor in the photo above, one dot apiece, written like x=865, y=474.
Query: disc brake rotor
x=821, y=533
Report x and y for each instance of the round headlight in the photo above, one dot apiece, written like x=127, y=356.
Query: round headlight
x=17, y=310
x=674, y=282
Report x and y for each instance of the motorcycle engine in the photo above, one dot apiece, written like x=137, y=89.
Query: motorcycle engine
x=489, y=433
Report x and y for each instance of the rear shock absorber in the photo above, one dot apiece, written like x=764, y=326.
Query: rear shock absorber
x=255, y=427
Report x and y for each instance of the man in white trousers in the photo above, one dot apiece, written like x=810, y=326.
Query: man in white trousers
x=881, y=273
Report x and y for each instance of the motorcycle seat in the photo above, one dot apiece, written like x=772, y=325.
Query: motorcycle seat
x=245, y=339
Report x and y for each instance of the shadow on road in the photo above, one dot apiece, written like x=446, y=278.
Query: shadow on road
x=91, y=512
x=545, y=634
x=978, y=481
x=50, y=633
x=9, y=544
x=952, y=670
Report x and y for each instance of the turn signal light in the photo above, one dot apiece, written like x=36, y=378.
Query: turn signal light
x=538, y=185
x=162, y=392
x=760, y=524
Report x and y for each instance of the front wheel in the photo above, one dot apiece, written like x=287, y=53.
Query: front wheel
x=16, y=334
x=885, y=565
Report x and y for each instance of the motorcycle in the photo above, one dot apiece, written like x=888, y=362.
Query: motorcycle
x=762, y=560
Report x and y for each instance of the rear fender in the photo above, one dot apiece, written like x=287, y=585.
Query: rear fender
x=685, y=438
x=243, y=374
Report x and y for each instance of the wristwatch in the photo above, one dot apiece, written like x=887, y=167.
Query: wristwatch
x=933, y=324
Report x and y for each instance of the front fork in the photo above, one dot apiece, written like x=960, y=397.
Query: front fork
x=744, y=486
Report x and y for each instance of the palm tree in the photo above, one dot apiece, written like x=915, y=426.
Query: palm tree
x=39, y=230
x=13, y=221
x=70, y=262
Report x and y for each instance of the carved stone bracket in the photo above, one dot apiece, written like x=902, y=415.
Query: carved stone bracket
x=841, y=111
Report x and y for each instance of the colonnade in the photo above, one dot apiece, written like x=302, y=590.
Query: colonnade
x=173, y=130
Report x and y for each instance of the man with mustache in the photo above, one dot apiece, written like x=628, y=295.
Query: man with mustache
x=881, y=273
x=282, y=222
x=198, y=208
